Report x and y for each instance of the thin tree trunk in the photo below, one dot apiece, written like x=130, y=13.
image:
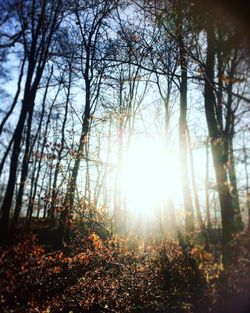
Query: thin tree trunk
x=118, y=181
x=208, y=217
x=48, y=206
x=233, y=186
x=31, y=203
x=59, y=156
x=215, y=210
x=189, y=213
x=24, y=172
x=15, y=98
x=66, y=215
x=170, y=212
x=87, y=189
x=196, y=197
x=245, y=158
x=5, y=155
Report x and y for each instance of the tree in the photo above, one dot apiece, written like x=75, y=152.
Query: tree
x=41, y=23
x=91, y=20
x=217, y=143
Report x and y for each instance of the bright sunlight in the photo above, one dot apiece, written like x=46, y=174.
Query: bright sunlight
x=150, y=176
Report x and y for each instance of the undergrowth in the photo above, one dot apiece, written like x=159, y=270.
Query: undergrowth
x=112, y=275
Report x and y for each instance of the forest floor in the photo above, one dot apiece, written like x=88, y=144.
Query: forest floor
x=122, y=274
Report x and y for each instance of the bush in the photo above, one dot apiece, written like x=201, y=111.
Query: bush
x=115, y=275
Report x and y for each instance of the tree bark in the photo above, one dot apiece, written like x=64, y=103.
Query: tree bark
x=217, y=144
x=188, y=206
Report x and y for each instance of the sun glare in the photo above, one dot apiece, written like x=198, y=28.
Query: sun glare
x=149, y=178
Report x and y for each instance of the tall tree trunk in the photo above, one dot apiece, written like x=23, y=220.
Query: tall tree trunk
x=7, y=202
x=229, y=135
x=217, y=144
x=188, y=206
x=28, y=150
x=24, y=172
x=45, y=139
x=66, y=215
x=59, y=156
x=118, y=181
x=171, y=222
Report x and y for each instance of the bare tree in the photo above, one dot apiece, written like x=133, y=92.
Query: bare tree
x=36, y=42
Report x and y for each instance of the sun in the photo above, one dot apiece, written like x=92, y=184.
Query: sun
x=149, y=177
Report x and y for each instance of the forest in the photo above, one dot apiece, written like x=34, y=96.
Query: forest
x=124, y=156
